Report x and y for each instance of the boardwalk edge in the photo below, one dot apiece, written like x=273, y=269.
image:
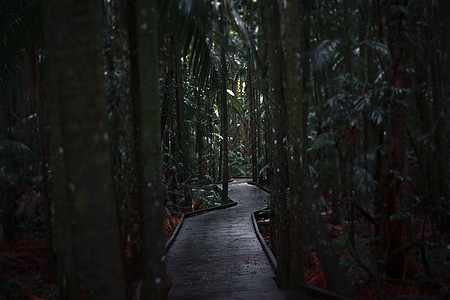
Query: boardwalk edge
x=311, y=289
x=174, y=233
x=193, y=214
x=269, y=254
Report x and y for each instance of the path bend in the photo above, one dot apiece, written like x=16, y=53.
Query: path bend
x=217, y=255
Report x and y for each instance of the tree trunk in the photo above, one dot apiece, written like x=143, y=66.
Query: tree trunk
x=224, y=106
x=151, y=186
x=129, y=93
x=42, y=116
x=392, y=184
x=63, y=213
x=81, y=153
x=182, y=129
x=251, y=98
x=278, y=117
x=444, y=9
x=200, y=123
x=264, y=86
x=295, y=135
x=113, y=105
x=251, y=112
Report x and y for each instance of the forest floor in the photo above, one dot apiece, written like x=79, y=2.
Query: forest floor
x=367, y=287
x=24, y=271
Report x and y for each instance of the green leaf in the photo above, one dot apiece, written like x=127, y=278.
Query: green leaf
x=230, y=92
x=325, y=53
x=323, y=140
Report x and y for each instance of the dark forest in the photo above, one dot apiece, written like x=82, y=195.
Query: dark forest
x=130, y=129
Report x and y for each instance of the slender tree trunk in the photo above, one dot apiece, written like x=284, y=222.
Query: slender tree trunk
x=63, y=213
x=295, y=134
x=444, y=9
x=134, y=205
x=211, y=139
x=4, y=118
x=77, y=95
x=199, y=135
x=434, y=80
x=278, y=118
x=394, y=163
x=112, y=99
x=265, y=87
x=225, y=121
x=251, y=98
x=151, y=186
x=251, y=112
x=42, y=122
x=182, y=128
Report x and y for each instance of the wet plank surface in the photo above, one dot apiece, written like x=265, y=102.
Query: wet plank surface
x=217, y=255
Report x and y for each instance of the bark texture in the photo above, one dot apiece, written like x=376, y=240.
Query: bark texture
x=444, y=10
x=295, y=134
x=82, y=176
x=224, y=106
x=277, y=144
x=392, y=181
x=151, y=186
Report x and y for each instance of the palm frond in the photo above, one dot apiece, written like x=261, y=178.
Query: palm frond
x=241, y=28
x=196, y=20
x=10, y=148
x=325, y=53
x=380, y=48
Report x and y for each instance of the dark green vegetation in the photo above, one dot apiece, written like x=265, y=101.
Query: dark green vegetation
x=117, y=116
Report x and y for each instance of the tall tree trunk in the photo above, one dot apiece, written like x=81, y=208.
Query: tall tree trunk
x=42, y=115
x=77, y=95
x=113, y=105
x=129, y=87
x=151, y=186
x=251, y=112
x=182, y=128
x=4, y=118
x=224, y=106
x=295, y=135
x=444, y=9
x=211, y=139
x=278, y=118
x=264, y=85
x=199, y=134
x=251, y=98
x=63, y=213
x=438, y=167
x=394, y=163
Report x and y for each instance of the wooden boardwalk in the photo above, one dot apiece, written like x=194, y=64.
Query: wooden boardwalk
x=217, y=255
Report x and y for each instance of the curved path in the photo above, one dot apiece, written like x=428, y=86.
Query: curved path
x=217, y=255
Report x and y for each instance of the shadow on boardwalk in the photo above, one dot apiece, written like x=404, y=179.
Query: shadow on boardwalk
x=217, y=255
